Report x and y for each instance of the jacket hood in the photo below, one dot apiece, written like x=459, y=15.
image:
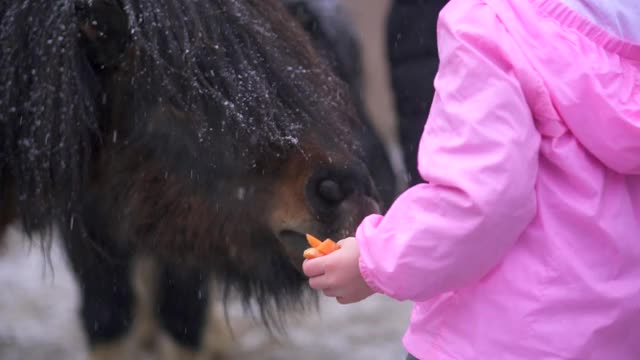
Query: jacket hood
x=591, y=75
x=603, y=113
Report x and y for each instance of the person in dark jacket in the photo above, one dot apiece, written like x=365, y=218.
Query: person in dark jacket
x=413, y=59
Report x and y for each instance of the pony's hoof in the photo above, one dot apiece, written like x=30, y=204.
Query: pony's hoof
x=124, y=349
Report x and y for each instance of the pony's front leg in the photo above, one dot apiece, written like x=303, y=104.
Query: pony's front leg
x=104, y=277
x=182, y=302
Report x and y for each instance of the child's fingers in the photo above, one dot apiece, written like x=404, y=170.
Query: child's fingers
x=346, y=299
x=319, y=282
x=330, y=292
x=313, y=267
x=341, y=242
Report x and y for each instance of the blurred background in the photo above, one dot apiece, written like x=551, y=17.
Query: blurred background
x=39, y=304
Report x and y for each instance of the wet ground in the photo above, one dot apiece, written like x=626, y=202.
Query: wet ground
x=38, y=319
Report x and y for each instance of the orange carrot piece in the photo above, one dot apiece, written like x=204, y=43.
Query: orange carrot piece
x=313, y=241
x=311, y=253
x=319, y=248
x=327, y=247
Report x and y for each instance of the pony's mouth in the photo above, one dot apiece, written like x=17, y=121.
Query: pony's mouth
x=295, y=243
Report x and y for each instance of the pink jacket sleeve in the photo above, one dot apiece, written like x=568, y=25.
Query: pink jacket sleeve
x=479, y=153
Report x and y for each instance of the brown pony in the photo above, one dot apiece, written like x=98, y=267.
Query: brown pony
x=205, y=133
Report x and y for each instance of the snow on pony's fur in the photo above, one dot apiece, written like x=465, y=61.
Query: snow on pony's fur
x=197, y=131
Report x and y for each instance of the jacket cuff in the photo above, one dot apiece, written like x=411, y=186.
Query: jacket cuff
x=364, y=260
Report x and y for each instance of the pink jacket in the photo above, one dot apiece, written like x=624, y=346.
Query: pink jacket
x=525, y=244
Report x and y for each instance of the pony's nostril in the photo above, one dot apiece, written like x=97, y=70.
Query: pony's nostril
x=330, y=191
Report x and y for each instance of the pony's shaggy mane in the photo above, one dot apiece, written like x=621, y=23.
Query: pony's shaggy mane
x=47, y=112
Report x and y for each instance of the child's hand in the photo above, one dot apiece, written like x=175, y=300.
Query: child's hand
x=338, y=274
